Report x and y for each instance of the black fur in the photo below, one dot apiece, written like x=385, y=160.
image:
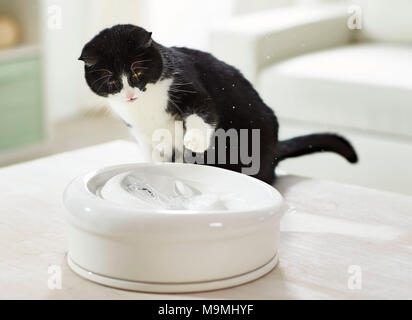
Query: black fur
x=202, y=85
x=113, y=52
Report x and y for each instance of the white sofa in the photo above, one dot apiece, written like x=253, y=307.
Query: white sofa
x=320, y=75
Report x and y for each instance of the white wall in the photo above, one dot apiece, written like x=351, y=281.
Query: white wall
x=61, y=48
x=184, y=22
x=248, y=6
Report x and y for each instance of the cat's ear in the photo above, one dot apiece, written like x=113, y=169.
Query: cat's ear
x=149, y=41
x=88, y=56
x=88, y=61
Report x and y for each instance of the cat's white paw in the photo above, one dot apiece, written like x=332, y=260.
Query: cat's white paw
x=196, y=140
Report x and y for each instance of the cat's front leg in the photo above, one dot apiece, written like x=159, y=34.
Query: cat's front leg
x=198, y=134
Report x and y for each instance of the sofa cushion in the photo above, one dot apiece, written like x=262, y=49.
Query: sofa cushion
x=363, y=86
x=386, y=20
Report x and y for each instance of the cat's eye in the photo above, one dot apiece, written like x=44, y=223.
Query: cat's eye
x=113, y=82
x=137, y=75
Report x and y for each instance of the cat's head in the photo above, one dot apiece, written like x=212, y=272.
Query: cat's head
x=121, y=61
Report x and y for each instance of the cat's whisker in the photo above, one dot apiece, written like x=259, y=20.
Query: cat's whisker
x=174, y=88
x=101, y=85
x=139, y=61
x=105, y=76
x=174, y=97
x=108, y=71
x=177, y=107
x=132, y=66
x=103, y=82
x=181, y=90
x=181, y=83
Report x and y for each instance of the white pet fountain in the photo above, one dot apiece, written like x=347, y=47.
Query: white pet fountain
x=172, y=227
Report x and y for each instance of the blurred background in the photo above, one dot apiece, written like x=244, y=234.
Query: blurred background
x=340, y=66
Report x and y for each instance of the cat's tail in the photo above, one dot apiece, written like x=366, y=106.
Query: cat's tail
x=318, y=142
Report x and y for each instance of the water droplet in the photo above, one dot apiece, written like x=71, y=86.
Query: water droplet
x=290, y=209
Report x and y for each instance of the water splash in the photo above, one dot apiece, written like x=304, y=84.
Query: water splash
x=167, y=193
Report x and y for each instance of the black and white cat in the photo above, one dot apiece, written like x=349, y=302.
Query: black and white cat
x=151, y=87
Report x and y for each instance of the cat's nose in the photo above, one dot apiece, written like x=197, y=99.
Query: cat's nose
x=129, y=93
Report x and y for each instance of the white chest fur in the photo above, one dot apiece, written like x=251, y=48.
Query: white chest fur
x=147, y=113
x=148, y=118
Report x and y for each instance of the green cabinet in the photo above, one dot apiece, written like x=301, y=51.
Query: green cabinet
x=21, y=112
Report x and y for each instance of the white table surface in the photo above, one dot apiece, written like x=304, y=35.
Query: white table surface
x=330, y=227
